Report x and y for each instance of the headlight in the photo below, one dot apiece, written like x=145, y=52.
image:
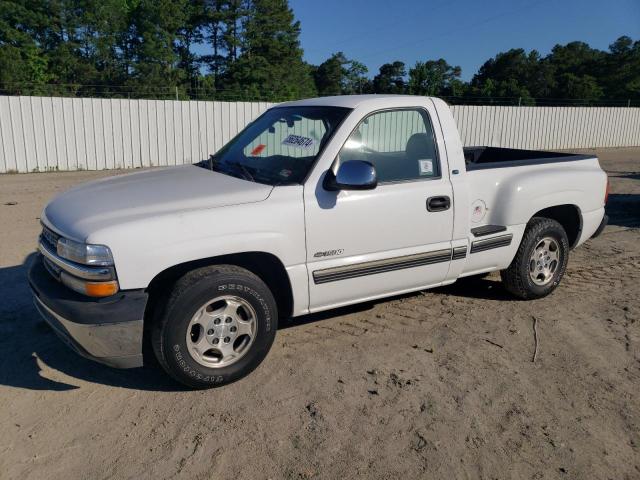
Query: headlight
x=84, y=253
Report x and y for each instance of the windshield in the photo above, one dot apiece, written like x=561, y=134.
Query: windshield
x=280, y=146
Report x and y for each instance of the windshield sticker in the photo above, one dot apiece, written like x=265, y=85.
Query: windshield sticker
x=426, y=166
x=258, y=150
x=298, y=141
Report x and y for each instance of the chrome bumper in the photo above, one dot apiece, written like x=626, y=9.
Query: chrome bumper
x=115, y=344
x=107, y=330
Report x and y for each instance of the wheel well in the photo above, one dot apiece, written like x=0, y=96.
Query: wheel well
x=568, y=216
x=265, y=265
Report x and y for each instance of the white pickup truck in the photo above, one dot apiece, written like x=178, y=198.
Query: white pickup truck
x=316, y=204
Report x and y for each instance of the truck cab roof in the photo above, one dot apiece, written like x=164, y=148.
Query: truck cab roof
x=367, y=101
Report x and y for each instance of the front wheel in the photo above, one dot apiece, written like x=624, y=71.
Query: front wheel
x=540, y=261
x=218, y=324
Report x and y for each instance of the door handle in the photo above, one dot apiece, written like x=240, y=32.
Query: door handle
x=438, y=204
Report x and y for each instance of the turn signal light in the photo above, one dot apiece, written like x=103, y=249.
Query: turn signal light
x=101, y=289
x=91, y=289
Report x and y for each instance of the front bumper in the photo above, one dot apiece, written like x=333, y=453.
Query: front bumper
x=107, y=330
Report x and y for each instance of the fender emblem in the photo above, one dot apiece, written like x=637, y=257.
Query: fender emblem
x=328, y=253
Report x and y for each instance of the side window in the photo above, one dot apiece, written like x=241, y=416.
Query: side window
x=399, y=143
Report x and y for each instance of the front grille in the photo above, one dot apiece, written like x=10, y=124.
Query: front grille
x=50, y=238
x=53, y=269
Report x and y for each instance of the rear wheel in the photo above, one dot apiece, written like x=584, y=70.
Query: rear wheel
x=218, y=324
x=540, y=261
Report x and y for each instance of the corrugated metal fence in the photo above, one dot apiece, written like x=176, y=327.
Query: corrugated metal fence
x=548, y=128
x=51, y=133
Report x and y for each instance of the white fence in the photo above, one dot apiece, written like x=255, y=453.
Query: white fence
x=50, y=133
x=548, y=128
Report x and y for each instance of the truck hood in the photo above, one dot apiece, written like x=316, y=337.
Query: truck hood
x=93, y=206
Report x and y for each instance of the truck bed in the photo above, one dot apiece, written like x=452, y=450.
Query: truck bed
x=481, y=158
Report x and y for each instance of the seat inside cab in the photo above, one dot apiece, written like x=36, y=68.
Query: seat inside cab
x=416, y=160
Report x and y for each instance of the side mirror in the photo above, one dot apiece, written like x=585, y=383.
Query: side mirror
x=352, y=175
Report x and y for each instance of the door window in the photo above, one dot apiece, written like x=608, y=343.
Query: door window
x=399, y=143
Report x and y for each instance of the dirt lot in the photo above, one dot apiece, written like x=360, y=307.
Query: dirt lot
x=438, y=384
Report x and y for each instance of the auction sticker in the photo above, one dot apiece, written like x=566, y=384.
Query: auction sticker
x=299, y=141
x=258, y=150
x=426, y=166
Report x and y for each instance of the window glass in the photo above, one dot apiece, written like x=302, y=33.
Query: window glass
x=399, y=143
x=272, y=141
x=280, y=146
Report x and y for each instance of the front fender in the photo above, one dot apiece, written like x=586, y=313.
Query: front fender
x=145, y=247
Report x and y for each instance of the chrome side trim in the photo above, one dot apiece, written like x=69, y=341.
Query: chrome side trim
x=459, y=253
x=380, y=266
x=80, y=271
x=490, y=243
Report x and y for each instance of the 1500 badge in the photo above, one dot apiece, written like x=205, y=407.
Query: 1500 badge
x=328, y=253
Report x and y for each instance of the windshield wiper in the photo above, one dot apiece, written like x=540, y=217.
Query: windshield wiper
x=245, y=171
x=215, y=166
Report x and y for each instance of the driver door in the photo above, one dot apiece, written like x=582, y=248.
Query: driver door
x=363, y=244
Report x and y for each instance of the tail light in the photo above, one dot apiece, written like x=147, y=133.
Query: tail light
x=606, y=192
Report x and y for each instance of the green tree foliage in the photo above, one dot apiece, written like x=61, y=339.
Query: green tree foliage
x=23, y=67
x=154, y=35
x=270, y=62
x=391, y=78
x=435, y=77
x=576, y=68
x=512, y=74
x=623, y=69
x=573, y=72
x=190, y=34
x=328, y=76
x=340, y=76
x=250, y=50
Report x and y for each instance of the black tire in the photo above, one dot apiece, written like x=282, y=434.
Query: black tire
x=516, y=278
x=196, y=288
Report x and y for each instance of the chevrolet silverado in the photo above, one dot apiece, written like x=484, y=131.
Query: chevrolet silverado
x=316, y=204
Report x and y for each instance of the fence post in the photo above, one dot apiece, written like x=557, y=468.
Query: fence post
x=628, y=103
x=519, y=101
x=176, y=92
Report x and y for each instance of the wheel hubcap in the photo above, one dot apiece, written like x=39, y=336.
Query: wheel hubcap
x=544, y=261
x=221, y=331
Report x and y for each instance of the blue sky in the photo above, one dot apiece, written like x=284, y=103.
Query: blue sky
x=464, y=32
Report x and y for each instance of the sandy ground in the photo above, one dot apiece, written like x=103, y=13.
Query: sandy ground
x=438, y=384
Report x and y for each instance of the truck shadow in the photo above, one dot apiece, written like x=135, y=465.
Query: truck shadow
x=34, y=358
x=469, y=287
x=624, y=209
x=629, y=175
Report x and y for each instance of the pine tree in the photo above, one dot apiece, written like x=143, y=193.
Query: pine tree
x=190, y=33
x=154, y=33
x=23, y=64
x=270, y=64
